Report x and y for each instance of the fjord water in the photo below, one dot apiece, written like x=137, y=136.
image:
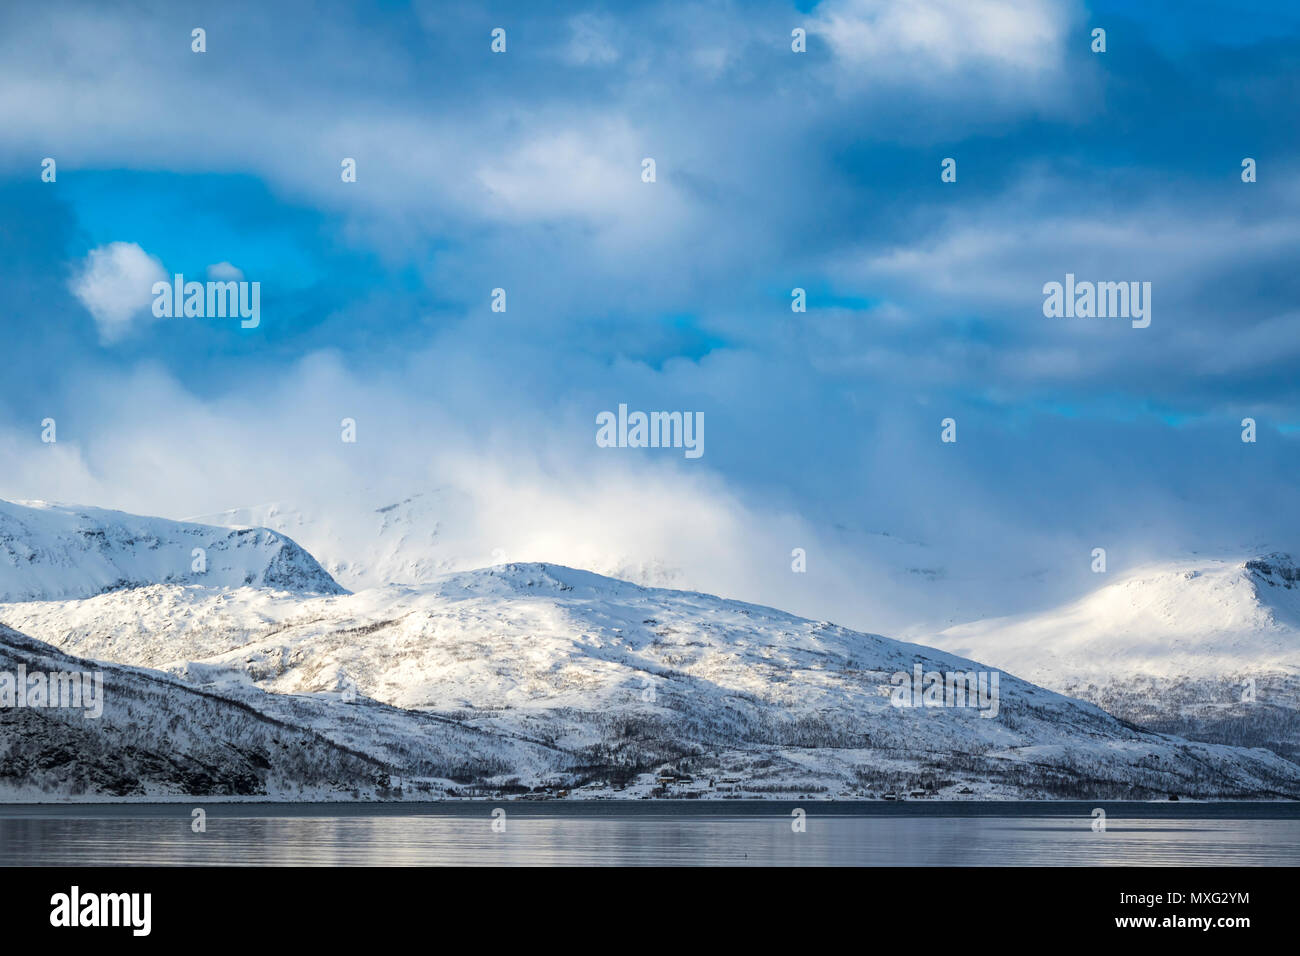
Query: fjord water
x=731, y=833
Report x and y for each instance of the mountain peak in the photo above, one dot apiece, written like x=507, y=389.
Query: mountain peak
x=1198, y=617
x=531, y=577
x=1278, y=569
x=52, y=551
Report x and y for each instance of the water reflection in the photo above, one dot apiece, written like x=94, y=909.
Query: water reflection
x=163, y=836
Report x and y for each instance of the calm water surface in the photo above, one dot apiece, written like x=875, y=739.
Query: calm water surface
x=721, y=833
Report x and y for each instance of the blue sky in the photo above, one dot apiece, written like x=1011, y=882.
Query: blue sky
x=774, y=170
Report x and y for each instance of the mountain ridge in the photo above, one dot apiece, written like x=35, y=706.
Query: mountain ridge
x=54, y=551
x=529, y=675
x=1206, y=648
x=519, y=676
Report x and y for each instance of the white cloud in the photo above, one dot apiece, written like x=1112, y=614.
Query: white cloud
x=943, y=37
x=590, y=174
x=225, y=272
x=538, y=490
x=996, y=255
x=115, y=285
x=589, y=41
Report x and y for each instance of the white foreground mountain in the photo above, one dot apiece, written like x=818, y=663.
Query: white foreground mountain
x=529, y=675
x=52, y=552
x=1205, y=648
x=155, y=736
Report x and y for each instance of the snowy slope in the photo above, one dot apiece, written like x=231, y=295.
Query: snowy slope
x=536, y=673
x=51, y=552
x=158, y=737
x=1190, y=618
x=400, y=542
x=369, y=541
x=374, y=538
x=1171, y=645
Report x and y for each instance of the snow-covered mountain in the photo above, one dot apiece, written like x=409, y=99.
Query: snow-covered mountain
x=373, y=537
x=155, y=736
x=530, y=674
x=1208, y=648
x=369, y=540
x=397, y=542
x=52, y=552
